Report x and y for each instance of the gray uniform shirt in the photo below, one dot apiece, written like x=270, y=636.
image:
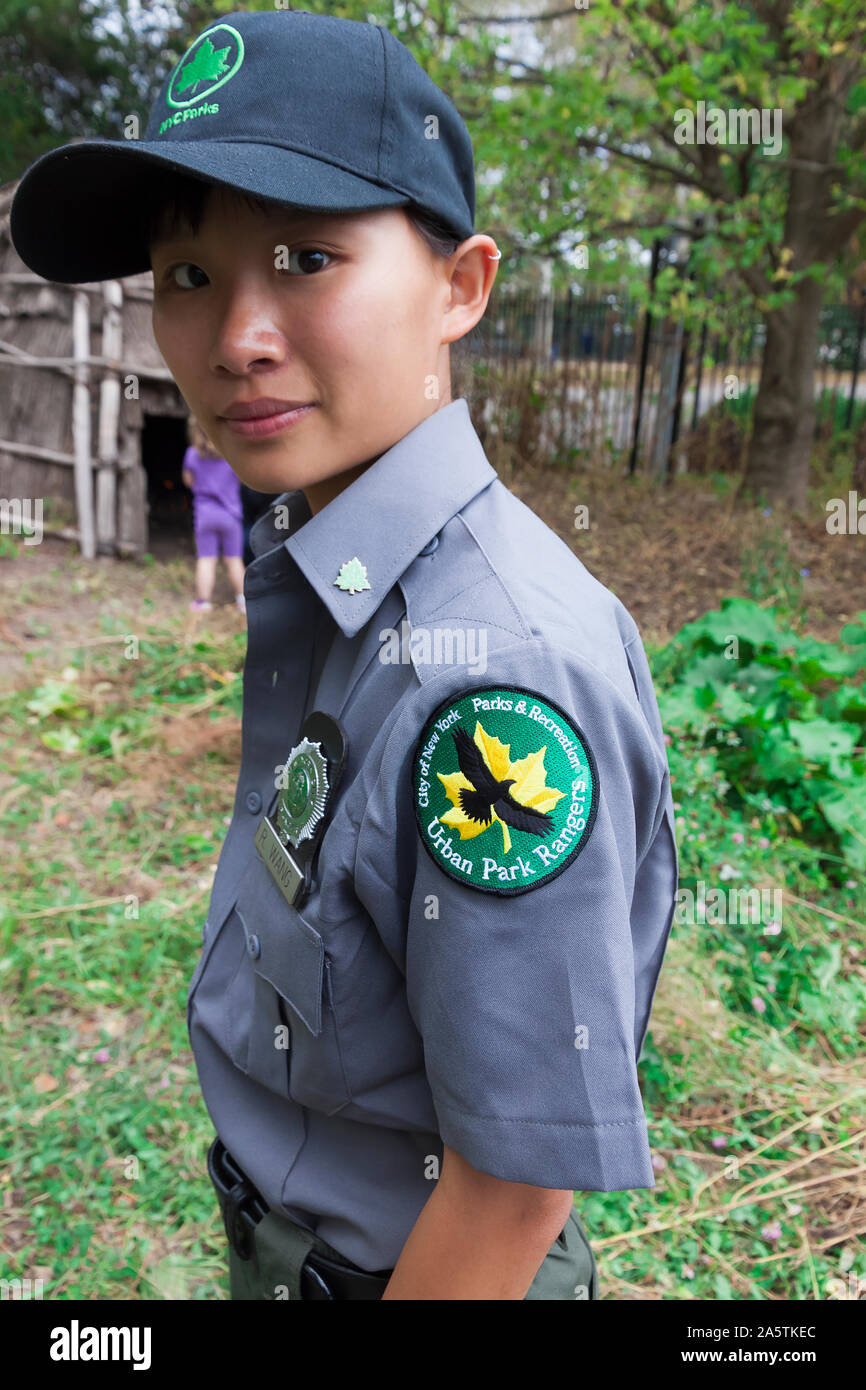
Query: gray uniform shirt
x=504, y=1021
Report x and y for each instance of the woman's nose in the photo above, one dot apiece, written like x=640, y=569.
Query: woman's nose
x=246, y=335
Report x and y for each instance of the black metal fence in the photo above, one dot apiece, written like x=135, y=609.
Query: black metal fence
x=603, y=378
x=610, y=327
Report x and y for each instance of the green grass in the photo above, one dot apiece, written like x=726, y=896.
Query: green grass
x=831, y=410
x=113, y=834
x=120, y=776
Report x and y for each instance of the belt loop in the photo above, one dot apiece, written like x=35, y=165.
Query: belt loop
x=233, y=1214
x=241, y=1203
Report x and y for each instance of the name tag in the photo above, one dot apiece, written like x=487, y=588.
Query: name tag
x=283, y=868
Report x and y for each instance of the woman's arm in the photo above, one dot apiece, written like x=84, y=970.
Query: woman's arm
x=478, y=1237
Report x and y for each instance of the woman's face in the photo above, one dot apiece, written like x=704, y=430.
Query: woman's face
x=347, y=314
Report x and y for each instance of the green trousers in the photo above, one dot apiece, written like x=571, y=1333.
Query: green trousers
x=274, y=1272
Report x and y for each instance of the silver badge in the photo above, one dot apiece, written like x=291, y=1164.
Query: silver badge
x=303, y=792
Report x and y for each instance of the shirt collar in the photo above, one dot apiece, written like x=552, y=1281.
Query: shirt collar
x=388, y=514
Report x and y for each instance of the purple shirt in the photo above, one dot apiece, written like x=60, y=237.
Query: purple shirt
x=215, y=480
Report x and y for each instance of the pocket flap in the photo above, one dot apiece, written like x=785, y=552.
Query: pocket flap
x=288, y=953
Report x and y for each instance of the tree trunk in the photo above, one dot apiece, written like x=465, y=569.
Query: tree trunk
x=778, y=461
x=777, y=465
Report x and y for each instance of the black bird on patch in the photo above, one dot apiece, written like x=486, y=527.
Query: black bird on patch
x=487, y=794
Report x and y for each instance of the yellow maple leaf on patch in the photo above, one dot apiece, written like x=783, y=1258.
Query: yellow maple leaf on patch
x=530, y=786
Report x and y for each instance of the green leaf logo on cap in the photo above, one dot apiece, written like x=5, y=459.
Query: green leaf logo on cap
x=211, y=60
x=505, y=789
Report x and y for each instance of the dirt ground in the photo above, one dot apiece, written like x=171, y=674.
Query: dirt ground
x=669, y=552
x=672, y=552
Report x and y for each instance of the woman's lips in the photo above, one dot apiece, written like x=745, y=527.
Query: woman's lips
x=267, y=424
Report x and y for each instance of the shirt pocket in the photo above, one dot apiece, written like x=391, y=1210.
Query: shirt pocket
x=221, y=995
x=199, y=967
x=290, y=1036
x=210, y=935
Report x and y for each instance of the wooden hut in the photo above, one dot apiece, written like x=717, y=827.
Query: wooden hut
x=88, y=409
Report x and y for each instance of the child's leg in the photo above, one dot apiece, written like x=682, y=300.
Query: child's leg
x=205, y=574
x=207, y=550
x=235, y=567
x=233, y=538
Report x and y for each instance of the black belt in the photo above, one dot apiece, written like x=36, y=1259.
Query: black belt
x=243, y=1208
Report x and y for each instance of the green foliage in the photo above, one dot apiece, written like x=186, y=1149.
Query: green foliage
x=171, y=673
x=77, y=70
x=769, y=571
x=831, y=413
x=831, y=410
x=779, y=716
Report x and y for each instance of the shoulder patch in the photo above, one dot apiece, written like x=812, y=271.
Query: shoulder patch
x=505, y=788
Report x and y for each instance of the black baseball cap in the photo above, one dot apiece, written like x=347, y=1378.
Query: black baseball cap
x=306, y=110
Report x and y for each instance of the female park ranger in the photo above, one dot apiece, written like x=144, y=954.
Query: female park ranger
x=441, y=907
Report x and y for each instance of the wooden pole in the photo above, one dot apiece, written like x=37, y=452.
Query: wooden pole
x=18, y=277
x=81, y=424
x=16, y=357
x=109, y=416
x=849, y=414
x=11, y=446
x=644, y=356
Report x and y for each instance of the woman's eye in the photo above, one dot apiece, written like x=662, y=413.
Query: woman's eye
x=307, y=261
x=195, y=269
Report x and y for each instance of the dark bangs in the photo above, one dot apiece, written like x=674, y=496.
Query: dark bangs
x=177, y=204
x=178, y=201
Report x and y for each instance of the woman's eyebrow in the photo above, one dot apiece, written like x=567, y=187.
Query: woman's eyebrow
x=174, y=236
x=281, y=226
x=291, y=227
x=311, y=226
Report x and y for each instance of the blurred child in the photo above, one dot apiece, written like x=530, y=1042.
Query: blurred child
x=217, y=517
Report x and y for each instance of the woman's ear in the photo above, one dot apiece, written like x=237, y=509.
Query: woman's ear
x=472, y=271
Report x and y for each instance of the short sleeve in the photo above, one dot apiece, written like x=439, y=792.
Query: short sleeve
x=191, y=461
x=531, y=987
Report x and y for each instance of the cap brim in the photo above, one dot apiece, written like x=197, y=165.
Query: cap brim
x=80, y=212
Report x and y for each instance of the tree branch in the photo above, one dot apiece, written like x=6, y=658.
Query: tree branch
x=858, y=135
x=527, y=79
x=662, y=16
x=775, y=18
x=755, y=279
x=836, y=231
x=517, y=18
x=674, y=174
x=685, y=151
x=630, y=226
